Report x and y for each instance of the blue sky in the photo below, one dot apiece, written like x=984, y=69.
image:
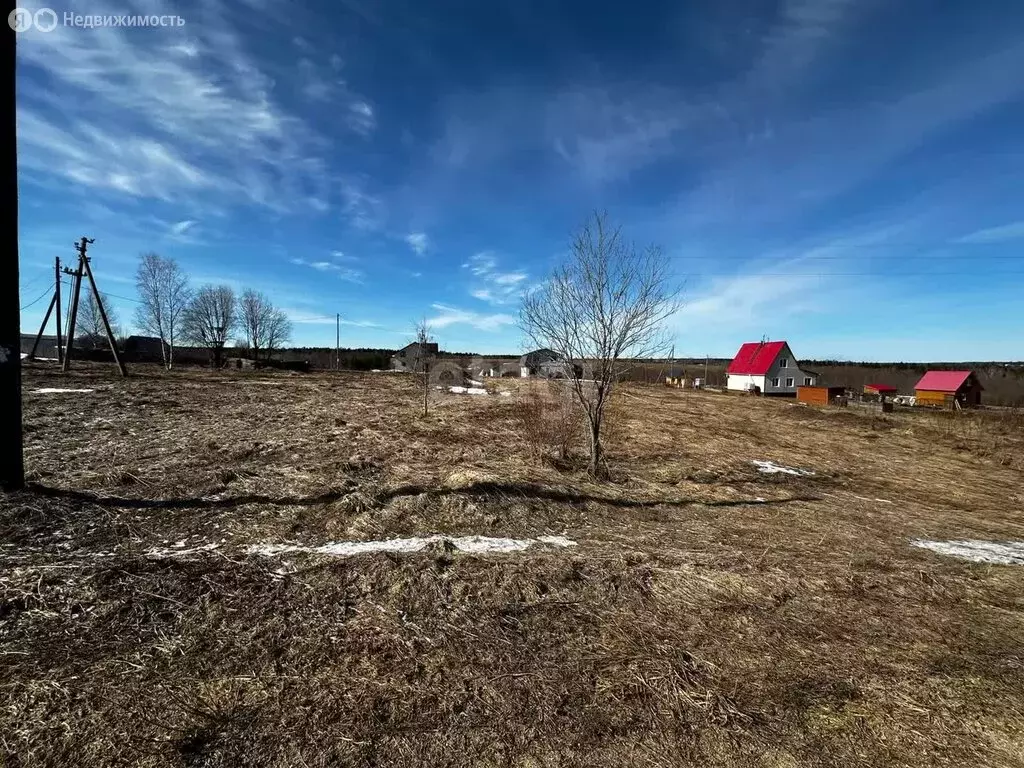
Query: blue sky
x=843, y=174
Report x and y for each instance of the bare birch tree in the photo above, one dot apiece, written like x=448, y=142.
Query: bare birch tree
x=423, y=356
x=279, y=331
x=256, y=314
x=90, y=323
x=210, y=319
x=164, y=294
x=607, y=303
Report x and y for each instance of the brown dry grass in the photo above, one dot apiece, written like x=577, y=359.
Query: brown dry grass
x=692, y=625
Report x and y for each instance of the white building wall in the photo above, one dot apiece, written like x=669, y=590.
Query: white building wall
x=743, y=382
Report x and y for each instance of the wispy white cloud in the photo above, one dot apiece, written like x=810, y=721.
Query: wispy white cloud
x=492, y=285
x=1003, y=233
x=303, y=317
x=418, y=241
x=172, y=119
x=181, y=227
x=447, y=315
x=343, y=273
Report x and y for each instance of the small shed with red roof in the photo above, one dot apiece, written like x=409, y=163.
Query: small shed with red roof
x=767, y=367
x=880, y=390
x=948, y=389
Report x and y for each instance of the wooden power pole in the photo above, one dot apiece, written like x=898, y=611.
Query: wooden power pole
x=12, y=461
x=54, y=304
x=337, y=342
x=84, y=270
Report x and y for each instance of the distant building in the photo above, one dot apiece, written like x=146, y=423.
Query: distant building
x=411, y=357
x=767, y=367
x=144, y=349
x=545, y=363
x=47, y=348
x=948, y=389
x=821, y=395
x=880, y=390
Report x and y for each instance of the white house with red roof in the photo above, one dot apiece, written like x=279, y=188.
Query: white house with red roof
x=767, y=367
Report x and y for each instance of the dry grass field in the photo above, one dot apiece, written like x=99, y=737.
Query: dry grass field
x=708, y=613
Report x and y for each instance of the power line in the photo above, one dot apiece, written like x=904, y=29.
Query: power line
x=37, y=300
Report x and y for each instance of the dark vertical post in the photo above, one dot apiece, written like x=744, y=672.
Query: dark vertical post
x=76, y=289
x=12, y=461
x=99, y=305
x=337, y=343
x=56, y=293
x=42, y=327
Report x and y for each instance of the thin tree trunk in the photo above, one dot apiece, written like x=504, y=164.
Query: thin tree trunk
x=426, y=388
x=595, y=447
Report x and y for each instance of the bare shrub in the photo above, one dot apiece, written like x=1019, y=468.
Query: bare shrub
x=550, y=420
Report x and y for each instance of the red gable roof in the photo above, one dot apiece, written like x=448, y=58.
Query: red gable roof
x=881, y=387
x=942, y=381
x=755, y=358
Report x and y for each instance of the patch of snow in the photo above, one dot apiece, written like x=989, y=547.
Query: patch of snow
x=57, y=390
x=468, y=390
x=759, y=500
x=178, y=550
x=471, y=544
x=557, y=541
x=771, y=468
x=865, y=498
x=24, y=355
x=505, y=393
x=977, y=550
x=475, y=383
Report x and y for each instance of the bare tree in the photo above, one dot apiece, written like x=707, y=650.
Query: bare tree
x=423, y=356
x=279, y=330
x=90, y=323
x=210, y=318
x=606, y=304
x=256, y=315
x=163, y=297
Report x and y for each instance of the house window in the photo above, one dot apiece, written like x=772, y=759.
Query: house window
x=789, y=382
x=775, y=382
x=783, y=362
x=808, y=381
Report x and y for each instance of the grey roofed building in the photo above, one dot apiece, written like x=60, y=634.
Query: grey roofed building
x=411, y=356
x=543, y=362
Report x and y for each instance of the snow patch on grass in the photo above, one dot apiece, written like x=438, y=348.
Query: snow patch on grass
x=180, y=550
x=470, y=544
x=468, y=390
x=771, y=468
x=977, y=550
x=57, y=390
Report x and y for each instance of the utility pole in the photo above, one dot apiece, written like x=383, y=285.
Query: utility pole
x=99, y=303
x=337, y=342
x=56, y=300
x=54, y=304
x=12, y=460
x=76, y=287
x=705, y=370
x=84, y=270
